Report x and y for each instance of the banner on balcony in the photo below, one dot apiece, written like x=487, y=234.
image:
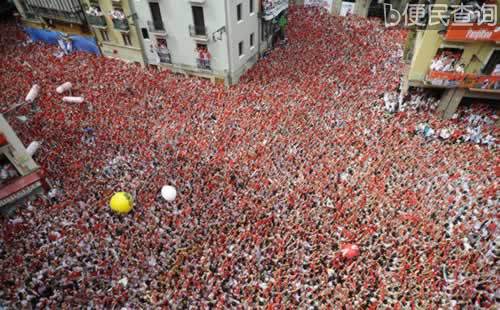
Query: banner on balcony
x=326, y=4
x=466, y=80
x=462, y=33
x=272, y=8
x=78, y=43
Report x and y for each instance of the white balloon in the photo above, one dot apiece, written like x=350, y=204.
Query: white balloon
x=64, y=87
x=33, y=93
x=33, y=147
x=73, y=99
x=168, y=193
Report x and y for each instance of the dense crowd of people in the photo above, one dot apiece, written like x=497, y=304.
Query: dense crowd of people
x=277, y=178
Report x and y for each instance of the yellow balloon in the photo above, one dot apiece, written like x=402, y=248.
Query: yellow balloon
x=121, y=203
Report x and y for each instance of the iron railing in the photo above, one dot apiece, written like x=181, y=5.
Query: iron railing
x=97, y=20
x=156, y=26
x=198, y=31
x=121, y=24
x=203, y=64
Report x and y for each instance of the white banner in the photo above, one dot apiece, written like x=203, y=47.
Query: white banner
x=326, y=4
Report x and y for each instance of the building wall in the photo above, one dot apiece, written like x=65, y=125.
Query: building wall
x=19, y=8
x=476, y=55
x=422, y=57
x=240, y=31
x=143, y=16
x=177, y=17
x=360, y=7
x=116, y=47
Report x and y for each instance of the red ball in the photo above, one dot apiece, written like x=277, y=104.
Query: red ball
x=350, y=251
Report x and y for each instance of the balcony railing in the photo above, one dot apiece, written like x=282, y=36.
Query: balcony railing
x=203, y=64
x=198, y=32
x=99, y=21
x=120, y=24
x=164, y=55
x=156, y=26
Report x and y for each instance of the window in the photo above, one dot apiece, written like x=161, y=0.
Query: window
x=145, y=33
x=238, y=12
x=104, y=35
x=126, y=39
x=250, y=3
x=240, y=48
x=251, y=40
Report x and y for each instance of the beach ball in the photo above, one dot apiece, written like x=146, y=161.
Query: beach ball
x=121, y=203
x=350, y=251
x=168, y=193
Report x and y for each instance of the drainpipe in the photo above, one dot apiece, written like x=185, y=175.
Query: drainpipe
x=259, y=30
x=228, y=35
x=135, y=17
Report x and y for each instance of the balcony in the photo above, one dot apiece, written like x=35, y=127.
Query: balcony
x=156, y=27
x=73, y=17
x=203, y=64
x=199, y=33
x=97, y=21
x=164, y=55
x=121, y=24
